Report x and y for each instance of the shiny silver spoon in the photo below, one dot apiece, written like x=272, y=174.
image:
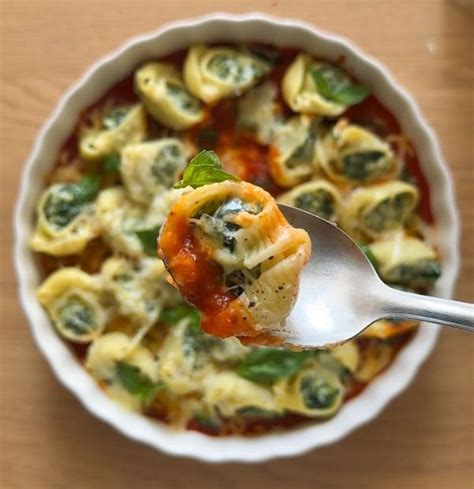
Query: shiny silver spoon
x=341, y=293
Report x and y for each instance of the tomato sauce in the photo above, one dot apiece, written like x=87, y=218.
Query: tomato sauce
x=249, y=160
x=200, y=280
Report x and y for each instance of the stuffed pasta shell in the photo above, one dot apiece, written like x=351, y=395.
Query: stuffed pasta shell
x=259, y=113
x=119, y=219
x=138, y=288
x=185, y=358
x=127, y=372
x=350, y=154
x=162, y=91
x=72, y=299
x=301, y=92
x=213, y=73
x=380, y=208
x=233, y=255
x=292, y=150
x=406, y=261
x=66, y=218
x=120, y=126
x=230, y=394
x=317, y=196
x=150, y=168
x=313, y=391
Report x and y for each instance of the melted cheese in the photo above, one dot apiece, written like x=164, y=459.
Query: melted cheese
x=149, y=169
x=96, y=144
x=229, y=394
x=101, y=362
x=258, y=112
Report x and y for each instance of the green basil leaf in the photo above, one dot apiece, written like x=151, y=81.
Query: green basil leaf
x=135, y=382
x=112, y=163
x=175, y=314
x=352, y=95
x=203, y=169
x=369, y=255
x=333, y=84
x=148, y=239
x=266, y=365
x=86, y=189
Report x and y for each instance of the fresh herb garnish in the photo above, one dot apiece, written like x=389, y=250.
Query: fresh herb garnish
x=148, y=239
x=112, y=163
x=266, y=365
x=136, y=382
x=176, y=314
x=205, y=168
x=369, y=255
x=333, y=84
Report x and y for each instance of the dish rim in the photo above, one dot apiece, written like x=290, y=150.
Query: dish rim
x=355, y=412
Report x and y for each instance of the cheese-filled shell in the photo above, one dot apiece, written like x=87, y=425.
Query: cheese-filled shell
x=292, y=150
x=218, y=72
x=66, y=221
x=406, y=261
x=301, y=93
x=72, y=299
x=380, y=208
x=313, y=391
x=351, y=154
x=150, y=168
x=166, y=98
x=319, y=197
x=121, y=126
x=233, y=255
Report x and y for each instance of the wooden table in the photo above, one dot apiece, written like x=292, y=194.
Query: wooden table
x=424, y=439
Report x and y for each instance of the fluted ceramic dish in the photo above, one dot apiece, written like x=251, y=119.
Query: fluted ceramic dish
x=233, y=28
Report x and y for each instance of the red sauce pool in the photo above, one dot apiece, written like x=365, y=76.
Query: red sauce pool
x=252, y=165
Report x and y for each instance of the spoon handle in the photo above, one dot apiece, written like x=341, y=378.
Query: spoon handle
x=398, y=304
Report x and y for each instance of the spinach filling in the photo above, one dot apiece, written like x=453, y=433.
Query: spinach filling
x=420, y=274
x=363, y=164
x=238, y=280
x=320, y=203
x=166, y=163
x=65, y=202
x=182, y=98
x=317, y=393
x=234, y=68
x=303, y=155
x=215, y=220
x=390, y=213
x=77, y=316
x=114, y=117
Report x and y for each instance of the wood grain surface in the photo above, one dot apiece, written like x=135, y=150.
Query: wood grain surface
x=423, y=439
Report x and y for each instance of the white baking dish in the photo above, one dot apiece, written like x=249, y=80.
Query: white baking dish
x=225, y=27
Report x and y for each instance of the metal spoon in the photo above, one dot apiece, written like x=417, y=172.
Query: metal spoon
x=341, y=293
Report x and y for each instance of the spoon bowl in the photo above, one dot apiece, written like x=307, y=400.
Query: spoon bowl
x=341, y=294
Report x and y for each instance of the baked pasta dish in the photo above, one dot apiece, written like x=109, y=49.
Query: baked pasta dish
x=286, y=125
